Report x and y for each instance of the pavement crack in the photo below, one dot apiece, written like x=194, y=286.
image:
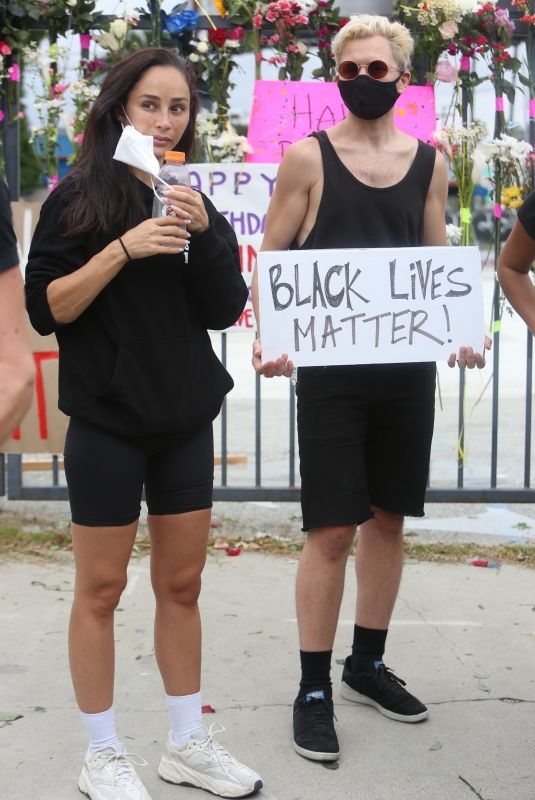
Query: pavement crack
x=437, y=630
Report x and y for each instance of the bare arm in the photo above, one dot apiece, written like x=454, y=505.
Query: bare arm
x=70, y=295
x=17, y=369
x=285, y=217
x=514, y=265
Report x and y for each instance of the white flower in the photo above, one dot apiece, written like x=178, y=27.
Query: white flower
x=118, y=28
x=231, y=43
x=202, y=47
x=194, y=57
x=108, y=41
x=453, y=234
x=71, y=3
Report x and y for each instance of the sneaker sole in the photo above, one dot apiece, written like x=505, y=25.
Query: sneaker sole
x=191, y=778
x=356, y=697
x=315, y=755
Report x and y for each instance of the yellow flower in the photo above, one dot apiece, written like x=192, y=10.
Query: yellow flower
x=220, y=7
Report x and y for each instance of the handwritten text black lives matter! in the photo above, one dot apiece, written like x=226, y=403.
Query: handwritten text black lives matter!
x=409, y=282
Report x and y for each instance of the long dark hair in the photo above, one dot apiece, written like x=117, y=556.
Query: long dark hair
x=105, y=194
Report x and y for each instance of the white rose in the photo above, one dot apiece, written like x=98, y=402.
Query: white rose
x=118, y=28
x=108, y=41
x=448, y=29
x=202, y=47
x=71, y=3
x=231, y=43
x=194, y=57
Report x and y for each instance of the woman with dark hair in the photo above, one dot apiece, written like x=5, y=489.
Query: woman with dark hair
x=141, y=385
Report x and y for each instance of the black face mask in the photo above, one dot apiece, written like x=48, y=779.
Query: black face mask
x=367, y=98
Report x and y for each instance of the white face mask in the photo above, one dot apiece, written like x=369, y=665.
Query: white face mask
x=137, y=150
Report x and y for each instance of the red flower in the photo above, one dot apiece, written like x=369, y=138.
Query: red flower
x=217, y=36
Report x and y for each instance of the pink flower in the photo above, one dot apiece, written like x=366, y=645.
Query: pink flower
x=14, y=73
x=257, y=21
x=79, y=138
x=445, y=72
x=258, y=56
x=1, y=115
x=59, y=88
x=5, y=49
x=20, y=114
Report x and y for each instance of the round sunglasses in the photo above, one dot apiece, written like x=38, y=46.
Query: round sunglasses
x=349, y=70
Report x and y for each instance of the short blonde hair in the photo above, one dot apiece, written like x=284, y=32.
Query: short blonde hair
x=361, y=26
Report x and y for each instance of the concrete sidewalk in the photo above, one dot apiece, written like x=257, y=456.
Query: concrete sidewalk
x=462, y=636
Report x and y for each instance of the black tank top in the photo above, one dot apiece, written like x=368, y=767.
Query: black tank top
x=352, y=214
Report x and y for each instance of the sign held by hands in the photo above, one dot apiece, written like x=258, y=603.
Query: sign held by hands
x=370, y=306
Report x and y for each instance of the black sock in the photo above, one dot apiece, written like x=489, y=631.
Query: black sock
x=368, y=647
x=315, y=672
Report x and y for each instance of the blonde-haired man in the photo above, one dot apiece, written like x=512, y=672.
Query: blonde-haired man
x=364, y=431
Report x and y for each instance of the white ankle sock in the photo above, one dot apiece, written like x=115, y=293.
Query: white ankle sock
x=101, y=730
x=185, y=714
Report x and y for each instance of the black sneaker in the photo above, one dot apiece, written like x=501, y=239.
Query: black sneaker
x=314, y=733
x=383, y=690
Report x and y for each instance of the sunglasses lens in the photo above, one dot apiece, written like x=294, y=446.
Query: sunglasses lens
x=377, y=69
x=348, y=70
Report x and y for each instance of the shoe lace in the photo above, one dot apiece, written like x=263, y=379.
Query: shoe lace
x=320, y=715
x=214, y=750
x=384, y=673
x=122, y=765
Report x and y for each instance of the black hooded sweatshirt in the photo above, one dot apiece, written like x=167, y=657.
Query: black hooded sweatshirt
x=139, y=361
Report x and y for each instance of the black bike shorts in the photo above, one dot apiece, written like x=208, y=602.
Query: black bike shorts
x=106, y=474
x=364, y=440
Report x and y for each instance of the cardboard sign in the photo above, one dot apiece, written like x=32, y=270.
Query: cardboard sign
x=285, y=111
x=373, y=306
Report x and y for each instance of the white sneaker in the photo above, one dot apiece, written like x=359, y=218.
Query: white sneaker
x=207, y=765
x=109, y=775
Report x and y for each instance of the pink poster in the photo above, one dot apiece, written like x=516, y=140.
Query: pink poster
x=285, y=111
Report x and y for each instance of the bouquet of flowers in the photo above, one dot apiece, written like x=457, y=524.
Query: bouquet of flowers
x=216, y=144
x=83, y=93
x=325, y=21
x=287, y=18
x=212, y=60
x=511, y=178
x=49, y=89
x=458, y=143
x=437, y=24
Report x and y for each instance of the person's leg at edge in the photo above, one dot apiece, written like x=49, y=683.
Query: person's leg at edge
x=178, y=555
x=101, y=557
x=319, y=590
x=379, y=566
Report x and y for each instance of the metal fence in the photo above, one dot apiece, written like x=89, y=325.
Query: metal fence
x=482, y=450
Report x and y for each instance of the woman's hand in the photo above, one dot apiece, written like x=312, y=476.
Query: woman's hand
x=156, y=236
x=271, y=369
x=188, y=207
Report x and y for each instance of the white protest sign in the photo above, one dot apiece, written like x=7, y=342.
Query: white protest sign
x=241, y=192
x=375, y=306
